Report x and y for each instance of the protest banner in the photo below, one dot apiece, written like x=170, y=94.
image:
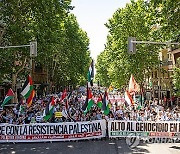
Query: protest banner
x=168, y=129
x=41, y=132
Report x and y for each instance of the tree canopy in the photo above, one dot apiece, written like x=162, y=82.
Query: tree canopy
x=63, y=47
x=145, y=21
x=176, y=78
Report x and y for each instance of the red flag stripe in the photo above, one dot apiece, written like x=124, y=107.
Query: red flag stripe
x=10, y=92
x=128, y=94
x=64, y=95
x=29, y=101
x=30, y=80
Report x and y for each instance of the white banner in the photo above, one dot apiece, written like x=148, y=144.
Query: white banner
x=41, y=132
x=165, y=129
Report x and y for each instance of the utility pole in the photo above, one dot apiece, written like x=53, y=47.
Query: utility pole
x=132, y=50
x=159, y=82
x=132, y=44
x=33, y=53
x=33, y=50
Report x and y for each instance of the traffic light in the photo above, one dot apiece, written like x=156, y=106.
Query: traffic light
x=33, y=49
x=131, y=45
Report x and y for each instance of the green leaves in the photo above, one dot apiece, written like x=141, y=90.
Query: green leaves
x=155, y=20
x=62, y=45
x=133, y=20
x=167, y=17
x=176, y=78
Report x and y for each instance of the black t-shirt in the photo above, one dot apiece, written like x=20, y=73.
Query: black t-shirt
x=27, y=120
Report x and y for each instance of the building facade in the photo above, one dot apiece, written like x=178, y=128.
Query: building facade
x=159, y=83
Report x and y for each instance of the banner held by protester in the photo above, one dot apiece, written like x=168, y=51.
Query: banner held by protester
x=146, y=129
x=41, y=132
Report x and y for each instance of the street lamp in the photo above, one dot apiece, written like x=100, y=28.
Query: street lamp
x=132, y=50
x=132, y=44
x=33, y=50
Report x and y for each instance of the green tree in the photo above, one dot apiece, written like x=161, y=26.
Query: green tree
x=62, y=45
x=102, y=70
x=75, y=55
x=166, y=17
x=133, y=20
x=155, y=20
x=176, y=78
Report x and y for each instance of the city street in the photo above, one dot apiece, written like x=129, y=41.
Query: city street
x=88, y=147
x=89, y=77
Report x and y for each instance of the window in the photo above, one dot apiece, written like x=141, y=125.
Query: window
x=169, y=56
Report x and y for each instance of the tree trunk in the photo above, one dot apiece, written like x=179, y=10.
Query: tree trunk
x=14, y=78
x=50, y=86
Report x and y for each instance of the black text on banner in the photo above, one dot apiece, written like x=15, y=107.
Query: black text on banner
x=52, y=131
x=119, y=128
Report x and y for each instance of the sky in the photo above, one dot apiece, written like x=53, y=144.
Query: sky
x=91, y=16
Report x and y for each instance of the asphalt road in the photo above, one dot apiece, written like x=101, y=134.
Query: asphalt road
x=88, y=147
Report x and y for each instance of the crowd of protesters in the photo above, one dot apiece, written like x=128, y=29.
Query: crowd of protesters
x=119, y=110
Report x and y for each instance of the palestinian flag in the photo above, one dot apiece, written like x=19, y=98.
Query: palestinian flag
x=67, y=101
x=49, y=110
x=105, y=105
x=89, y=101
x=128, y=98
x=8, y=97
x=64, y=94
x=30, y=99
x=27, y=87
x=99, y=101
x=139, y=107
x=91, y=74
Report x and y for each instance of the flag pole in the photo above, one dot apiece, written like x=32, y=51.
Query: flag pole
x=87, y=88
x=141, y=95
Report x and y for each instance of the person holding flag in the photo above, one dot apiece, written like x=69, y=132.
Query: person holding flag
x=128, y=98
x=28, y=91
x=133, y=88
x=89, y=101
x=65, y=111
x=49, y=110
x=64, y=94
x=99, y=101
x=105, y=104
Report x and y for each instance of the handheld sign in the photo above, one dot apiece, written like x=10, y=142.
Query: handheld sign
x=58, y=114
